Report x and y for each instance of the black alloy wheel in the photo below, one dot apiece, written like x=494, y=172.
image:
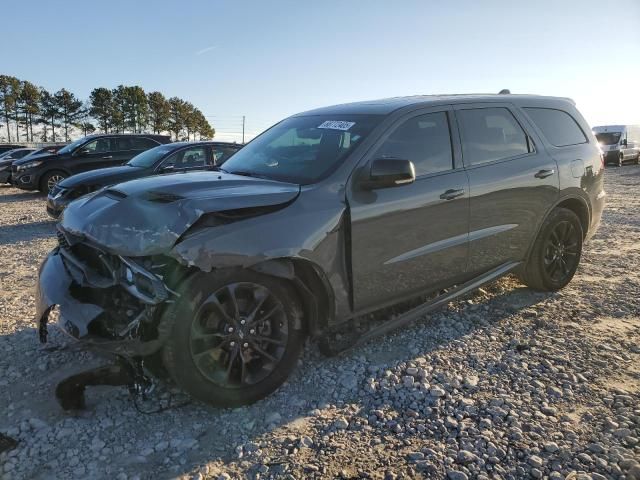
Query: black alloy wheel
x=239, y=335
x=562, y=251
x=235, y=335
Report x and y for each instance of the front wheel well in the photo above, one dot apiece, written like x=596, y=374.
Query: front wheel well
x=580, y=209
x=312, y=288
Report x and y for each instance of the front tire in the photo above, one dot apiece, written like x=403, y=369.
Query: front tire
x=556, y=252
x=236, y=335
x=50, y=180
x=620, y=159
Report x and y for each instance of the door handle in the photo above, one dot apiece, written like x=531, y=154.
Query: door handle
x=545, y=173
x=451, y=194
x=110, y=156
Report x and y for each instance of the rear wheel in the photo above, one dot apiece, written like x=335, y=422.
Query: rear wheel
x=236, y=336
x=50, y=180
x=556, y=252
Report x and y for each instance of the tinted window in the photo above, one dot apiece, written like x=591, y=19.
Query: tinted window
x=138, y=143
x=490, y=134
x=124, y=143
x=424, y=140
x=557, y=126
x=221, y=154
x=187, y=158
x=99, y=145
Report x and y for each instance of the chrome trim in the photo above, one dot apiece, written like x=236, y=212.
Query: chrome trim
x=451, y=242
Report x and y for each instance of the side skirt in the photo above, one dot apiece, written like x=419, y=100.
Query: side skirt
x=328, y=347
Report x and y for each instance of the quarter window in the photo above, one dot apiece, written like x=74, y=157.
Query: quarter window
x=490, y=134
x=425, y=140
x=558, y=127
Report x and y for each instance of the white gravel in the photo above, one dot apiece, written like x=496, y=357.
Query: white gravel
x=506, y=384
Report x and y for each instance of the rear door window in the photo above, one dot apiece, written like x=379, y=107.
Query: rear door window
x=558, y=127
x=425, y=140
x=490, y=134
x=221, y=154
x=100, y=145
x=139, y=143
x=187, y=158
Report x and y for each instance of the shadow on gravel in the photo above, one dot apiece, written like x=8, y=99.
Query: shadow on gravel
x=20, y=197
x=26, y=232
x=217, y=433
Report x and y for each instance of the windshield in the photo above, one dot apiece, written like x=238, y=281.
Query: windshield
x=71, y=147
x=609, y=138
x=148, y=158
x=302, y=149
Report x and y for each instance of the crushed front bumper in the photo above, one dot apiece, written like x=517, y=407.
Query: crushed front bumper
x=58, y=277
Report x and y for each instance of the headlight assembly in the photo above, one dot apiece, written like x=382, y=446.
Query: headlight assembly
x=28, y=165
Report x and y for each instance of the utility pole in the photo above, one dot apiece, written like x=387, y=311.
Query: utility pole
x=243, y=129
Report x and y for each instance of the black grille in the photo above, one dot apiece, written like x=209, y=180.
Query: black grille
x=62, y=241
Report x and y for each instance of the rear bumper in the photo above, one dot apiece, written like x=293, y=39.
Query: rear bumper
x=60, y=284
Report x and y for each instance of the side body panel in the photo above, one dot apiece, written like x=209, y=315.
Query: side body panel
x=408, y=239
x=507, y=200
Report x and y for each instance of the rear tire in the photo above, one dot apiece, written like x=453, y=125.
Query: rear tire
x=50, y=179
x=556, y=252
x=236, y=335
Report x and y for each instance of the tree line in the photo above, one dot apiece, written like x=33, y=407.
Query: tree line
x=119, y=110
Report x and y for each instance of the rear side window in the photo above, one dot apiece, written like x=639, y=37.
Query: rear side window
x=490, y=134
x=138, y=143
x=424, y=140
x=558, y=127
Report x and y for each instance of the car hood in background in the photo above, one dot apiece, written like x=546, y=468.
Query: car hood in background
x=42, y=156
x=105, y=176
x=147, y=216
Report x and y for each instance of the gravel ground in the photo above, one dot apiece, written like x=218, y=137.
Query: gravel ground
x=506, y=384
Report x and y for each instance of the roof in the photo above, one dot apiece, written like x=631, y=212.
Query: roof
x=386, y=106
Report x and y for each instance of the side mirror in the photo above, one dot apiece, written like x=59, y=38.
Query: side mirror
x=168, y=168
x=390, y=172
x=624, y=142
x=82, y=151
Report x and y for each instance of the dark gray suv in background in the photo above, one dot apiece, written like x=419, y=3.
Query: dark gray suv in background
x=329, y=216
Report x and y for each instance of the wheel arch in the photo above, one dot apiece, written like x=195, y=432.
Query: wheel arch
x=577, y=205
x=310, y=284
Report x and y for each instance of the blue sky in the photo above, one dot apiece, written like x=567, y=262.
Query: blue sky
x=270, y=59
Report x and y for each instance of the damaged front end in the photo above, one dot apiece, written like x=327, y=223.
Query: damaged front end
x=107, y=301
x=112, y=275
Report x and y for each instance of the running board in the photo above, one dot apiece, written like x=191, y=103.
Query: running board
x=433, y=304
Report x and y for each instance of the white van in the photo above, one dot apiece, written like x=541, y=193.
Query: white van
x=619, y=143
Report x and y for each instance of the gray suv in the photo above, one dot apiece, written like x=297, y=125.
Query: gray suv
x=324, y=224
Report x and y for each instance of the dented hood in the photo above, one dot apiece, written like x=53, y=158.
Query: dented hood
x=147, y=216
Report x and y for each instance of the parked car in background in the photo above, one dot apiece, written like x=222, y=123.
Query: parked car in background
x=326, y=217
x=5, y=147
x=45, y=150
x=619, y=143
x=88, y=153
x=7, y=159
x=172, y=157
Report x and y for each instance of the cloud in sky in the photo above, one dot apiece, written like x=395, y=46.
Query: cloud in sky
x=207, y=49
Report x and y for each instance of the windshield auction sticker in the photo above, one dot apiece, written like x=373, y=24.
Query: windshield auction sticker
x=337, y=125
